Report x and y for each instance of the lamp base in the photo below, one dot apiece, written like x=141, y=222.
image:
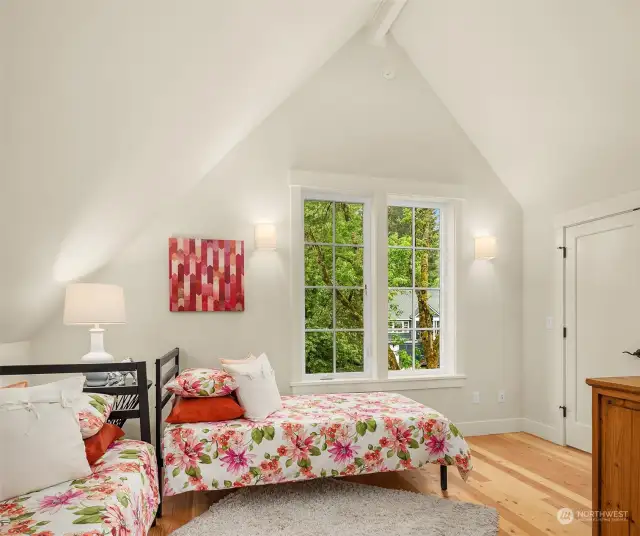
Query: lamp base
x=97, y=355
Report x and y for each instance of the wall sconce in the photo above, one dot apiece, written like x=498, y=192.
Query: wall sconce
x=265, y=236
x=486, y=248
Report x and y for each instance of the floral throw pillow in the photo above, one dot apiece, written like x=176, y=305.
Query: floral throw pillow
x=93, y=410
x=194, y=382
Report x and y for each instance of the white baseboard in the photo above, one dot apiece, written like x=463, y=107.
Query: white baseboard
x=542, y=430
x=505, y=426
x=494, y=426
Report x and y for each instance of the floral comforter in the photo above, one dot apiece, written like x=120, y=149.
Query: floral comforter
x=119, y=498
x=312, y=436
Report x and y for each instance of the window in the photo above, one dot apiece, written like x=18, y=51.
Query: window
x=373, y=287
x=415, y=290
x=336, y=272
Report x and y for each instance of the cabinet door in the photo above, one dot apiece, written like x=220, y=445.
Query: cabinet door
x=619, y=465
x=634, y=471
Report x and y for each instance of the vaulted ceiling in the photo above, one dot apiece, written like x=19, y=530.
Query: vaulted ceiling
x=108, y=110
x=547, y=90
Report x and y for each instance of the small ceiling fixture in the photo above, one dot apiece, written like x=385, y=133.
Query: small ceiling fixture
x=265, y=236
x=486, y=248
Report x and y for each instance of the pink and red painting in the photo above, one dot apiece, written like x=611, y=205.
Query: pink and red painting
x=206, y=275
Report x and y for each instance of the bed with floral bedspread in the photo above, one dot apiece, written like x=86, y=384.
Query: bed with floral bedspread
x=119, y=498
x=312, y=436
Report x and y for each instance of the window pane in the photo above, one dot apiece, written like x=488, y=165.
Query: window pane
x=349, y=223
x=349, y=308
x=349, y=267
x=349, y=351
x=428, y=268
x=399, y=222
x=318, y=308
x=428, y=227
x=318, y=221
x=428, y=349
x=400, y=306
x=318, y=266
x=427, y=308
x=318, y=352
x=400, y=350
x=399, y=268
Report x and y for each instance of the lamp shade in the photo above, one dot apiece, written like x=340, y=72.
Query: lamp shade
x=93, y=303
x=486, y=247
x=265, y=236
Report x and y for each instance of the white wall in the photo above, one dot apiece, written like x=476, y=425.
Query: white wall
x=542, y=367
x=347, y=118
x=14, y=353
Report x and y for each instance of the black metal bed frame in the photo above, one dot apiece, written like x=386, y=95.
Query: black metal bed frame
x=128, y=391
x=162, y=399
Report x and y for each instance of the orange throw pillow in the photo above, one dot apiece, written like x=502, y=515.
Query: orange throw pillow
x=214, y=409
x=19, y=384
x=97, y=445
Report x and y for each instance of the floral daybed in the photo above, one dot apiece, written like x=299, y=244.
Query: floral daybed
x=119, y=498
x=312, y=436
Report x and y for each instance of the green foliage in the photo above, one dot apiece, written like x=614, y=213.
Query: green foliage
x=326, y=308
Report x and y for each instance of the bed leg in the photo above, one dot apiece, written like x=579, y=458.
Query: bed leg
x=443, y=477
x=159, y=512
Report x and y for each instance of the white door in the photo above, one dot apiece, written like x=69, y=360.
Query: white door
x=602, y=298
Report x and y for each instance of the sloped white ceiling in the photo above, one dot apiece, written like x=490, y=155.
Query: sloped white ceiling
x=548, y=90
x=112, y=109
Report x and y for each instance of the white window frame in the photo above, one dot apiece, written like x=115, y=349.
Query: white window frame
x=382, y=192
x=318, y=195
x=447, y=269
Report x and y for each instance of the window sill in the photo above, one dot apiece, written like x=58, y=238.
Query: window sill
x=368, y=385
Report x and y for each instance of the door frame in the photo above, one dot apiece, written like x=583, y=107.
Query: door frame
x=596, y=211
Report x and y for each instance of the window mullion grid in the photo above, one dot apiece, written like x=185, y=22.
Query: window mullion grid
x=334, y=281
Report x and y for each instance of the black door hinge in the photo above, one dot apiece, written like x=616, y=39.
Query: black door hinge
x=564, y=411
x=564, y=251
x=564, y=332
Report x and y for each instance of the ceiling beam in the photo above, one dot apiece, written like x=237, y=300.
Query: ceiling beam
x=386, y=14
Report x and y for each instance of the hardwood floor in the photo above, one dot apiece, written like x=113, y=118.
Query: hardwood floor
x=525, y=478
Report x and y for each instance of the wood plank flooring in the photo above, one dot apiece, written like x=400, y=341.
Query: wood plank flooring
x=525, y=478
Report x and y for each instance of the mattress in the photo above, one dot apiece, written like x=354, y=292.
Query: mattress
x=120, y=497
x=312, y=436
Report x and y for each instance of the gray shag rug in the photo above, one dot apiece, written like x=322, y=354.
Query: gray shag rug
x=327, y=507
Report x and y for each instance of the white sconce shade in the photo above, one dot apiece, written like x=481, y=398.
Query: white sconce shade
x=486, y=248
x=265, y=236
x=93, y=303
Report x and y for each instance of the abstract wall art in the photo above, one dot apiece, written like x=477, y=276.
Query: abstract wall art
x=206, y=274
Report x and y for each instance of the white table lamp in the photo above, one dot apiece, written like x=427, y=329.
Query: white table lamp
x=94, y=304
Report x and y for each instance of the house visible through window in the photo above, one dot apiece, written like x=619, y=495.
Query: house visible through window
x=335, y=277
x=414, y=300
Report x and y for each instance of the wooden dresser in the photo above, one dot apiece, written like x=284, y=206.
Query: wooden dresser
x=616, y=453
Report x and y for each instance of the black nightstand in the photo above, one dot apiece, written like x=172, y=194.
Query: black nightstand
x=127, y=402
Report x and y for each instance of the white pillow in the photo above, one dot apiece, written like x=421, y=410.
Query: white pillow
x=40, y=437
x=257, y=388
